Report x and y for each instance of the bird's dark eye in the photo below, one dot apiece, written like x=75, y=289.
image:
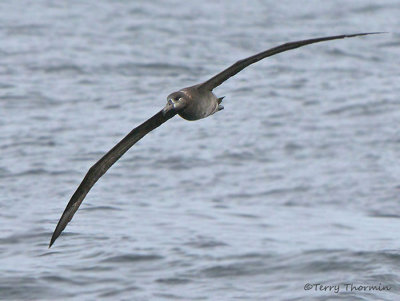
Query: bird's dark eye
x=176, y=98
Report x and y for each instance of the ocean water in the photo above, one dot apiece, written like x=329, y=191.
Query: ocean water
x=290, y=193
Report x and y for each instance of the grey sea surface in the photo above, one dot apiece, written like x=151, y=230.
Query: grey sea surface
x=295, y=184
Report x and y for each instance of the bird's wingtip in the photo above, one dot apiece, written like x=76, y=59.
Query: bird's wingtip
x=62, y=223
x=373, y=32
x=53, y=239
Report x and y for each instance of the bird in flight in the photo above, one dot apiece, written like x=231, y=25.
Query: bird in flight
x=191, y=103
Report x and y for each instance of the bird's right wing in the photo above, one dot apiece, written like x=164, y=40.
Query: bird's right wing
x=101, y=166
x=218, y=79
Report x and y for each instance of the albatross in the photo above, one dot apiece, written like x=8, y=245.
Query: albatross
x=191, y=103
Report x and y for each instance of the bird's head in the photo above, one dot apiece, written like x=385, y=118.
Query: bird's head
x=176, y=102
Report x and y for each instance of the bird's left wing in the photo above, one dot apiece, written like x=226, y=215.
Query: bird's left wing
x=224, y=75
x=101, y=166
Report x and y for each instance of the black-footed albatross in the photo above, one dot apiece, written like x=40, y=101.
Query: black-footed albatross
x=192, y=103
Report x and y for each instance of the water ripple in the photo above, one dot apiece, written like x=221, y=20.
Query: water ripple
x=128, y=258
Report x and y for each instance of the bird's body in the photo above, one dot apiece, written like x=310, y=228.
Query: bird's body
x=191, y=103
x=200, y=103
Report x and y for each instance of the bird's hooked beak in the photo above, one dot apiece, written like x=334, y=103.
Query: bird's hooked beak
x=173, y=107
x=169, y=108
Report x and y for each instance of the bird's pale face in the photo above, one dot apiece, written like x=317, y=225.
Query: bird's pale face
x=176, y=102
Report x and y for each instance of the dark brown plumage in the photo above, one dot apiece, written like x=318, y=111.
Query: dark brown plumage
x=191, y=103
